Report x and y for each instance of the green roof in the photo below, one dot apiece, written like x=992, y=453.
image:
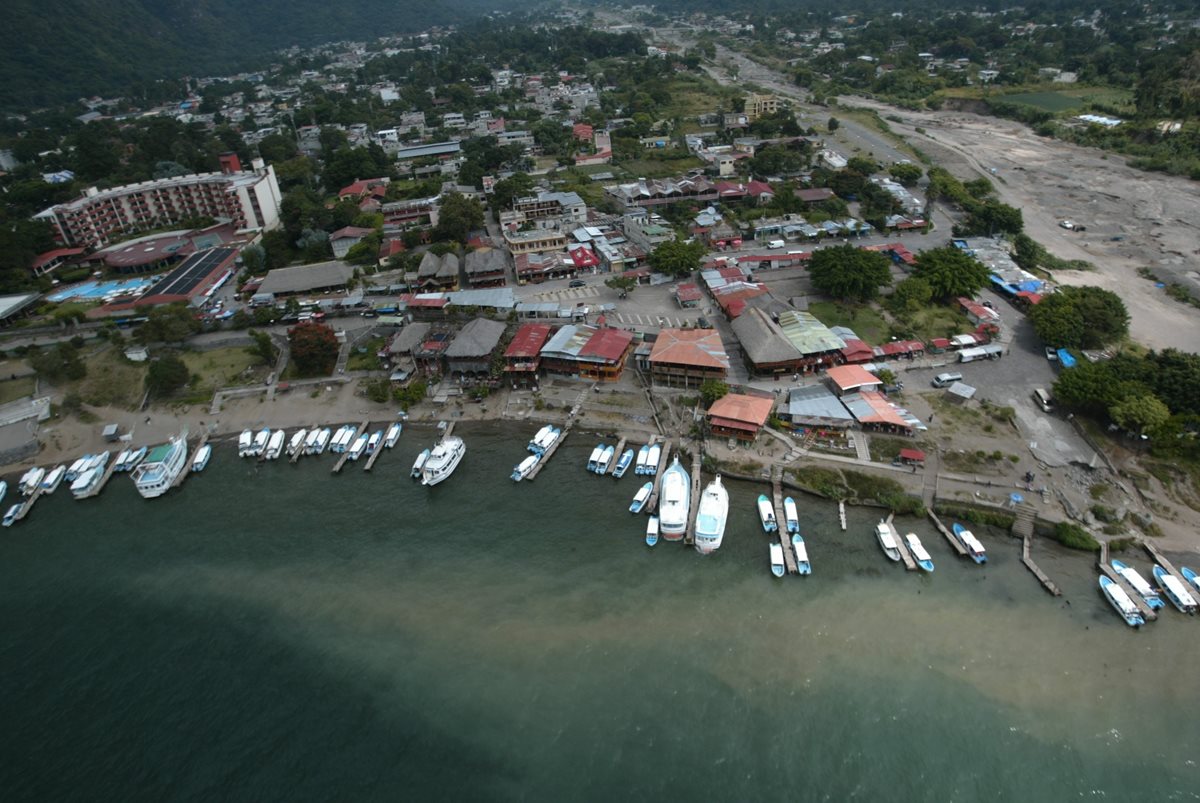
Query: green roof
x=158, y=453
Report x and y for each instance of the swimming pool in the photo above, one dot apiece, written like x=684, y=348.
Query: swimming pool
x=94, y=290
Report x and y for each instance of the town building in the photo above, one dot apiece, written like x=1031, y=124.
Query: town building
x=486, y=267
x=535, y=241
x=795, y=343
x=523, y=357
x=345, y=238
x=590, y=352
x=249, y=200
x=472, y=348
x=736, y=415
x=566, y=206
x=687, y=358
x=54, y=259
x=319, y=277
x=438, y=272
x=760, y=105
x=851, y=379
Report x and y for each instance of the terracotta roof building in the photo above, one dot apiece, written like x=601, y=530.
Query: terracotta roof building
x=591, y=352
x=852, y=378
x=688, y=357
x=523, y=357
x=739, y=416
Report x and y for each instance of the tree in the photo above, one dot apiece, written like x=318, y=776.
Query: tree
x=458, y=217
x=834, y=124
x=624, y=284
x=711, y=390
x=166, y=375
x=951, y=272
x=911, y=294
x=994, y=217
x=172, y=323
x=1087, y=388
x=677, y=258
x=906, y=173
x=262, y=347
x=849, y=273
x=411, y=394
x=61, y=361
x=1080, y=317
x=314, y=348
x=1140, y=413
x=506, y=190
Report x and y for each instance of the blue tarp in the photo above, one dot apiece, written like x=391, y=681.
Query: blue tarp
x=1031, y=286
x=1002, y=286
x=1065, y=359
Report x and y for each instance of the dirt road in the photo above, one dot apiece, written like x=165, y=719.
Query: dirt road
x=1156, y=216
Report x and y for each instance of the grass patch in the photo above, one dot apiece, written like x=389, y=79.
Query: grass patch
x=221, y=367
x=976, y=515
x=866, y=321
x=1072, y=536
x=885, y=491
x=1054, y=102
x=111, y=381
x=660, y=168
x=366, y=357
x=885, y=450
x=934, y=322
x=824, y=481
x=13, y=389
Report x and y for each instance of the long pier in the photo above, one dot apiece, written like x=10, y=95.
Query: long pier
x=1043, y=578
x=652, y=502
x=298, y=452
x=375, y=454
x=337, y=467
x=842, y=513
x=546, y=455
x=187, y=462
x=27, y=504
x=901, y=544
x=689, y=537
x=612, y=466
x=959, y=548
x=1112, y=574
x=1166, y=564
x=108, y=472
x=789, y=555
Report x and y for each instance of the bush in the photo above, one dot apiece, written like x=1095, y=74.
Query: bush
x=975, y=515
x=1072, y=536
x=1106, y=514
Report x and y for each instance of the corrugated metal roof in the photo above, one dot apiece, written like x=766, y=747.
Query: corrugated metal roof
x=812, y=402
x=807, y=334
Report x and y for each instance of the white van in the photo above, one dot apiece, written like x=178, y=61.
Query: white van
x=1043, y=400
x=775, y=243
x=945, y=380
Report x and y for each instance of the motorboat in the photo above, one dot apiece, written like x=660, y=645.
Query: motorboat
x=275, y=445
x=777, y=567
x=521, y=470
x=711, y=516
x=31, y=480
x=1138, y=584
x=359, y=446
x=623, y=463
x=546, y=441
x=245, y=443
x=887, y=541
x=802, y=563
x=1188, y=574
x=919, y=553
x=789, y=515
x=419, y=465
x=155, y=475
x=594, y=458
x=136, y=457
x=652, y=459
x=52, y=480
x=10, y=517
x=393, y=435
x=652, y=531
x=970, y=543
x=674, y=501
x=766, y=514
x=374, y=441
x=442, y=461
x=297, y=441
x=643, y=455
x=1121, y=602
x=343, y=439
x=537, y=444
x=639, y=499
x=201, y=457
x=76, y=467
x=122, y=457
x=3, y=489
x=606, y=458
x=310, y=442
x=323, y=438
x=261, y=439
x=1176, y=591
x=89, y=479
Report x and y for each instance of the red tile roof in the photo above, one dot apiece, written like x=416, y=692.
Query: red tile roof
x=607, y=344
x=849, y=377
x=528, y=340
x=350, y=232
x=744, y=410
x=701, y=348
x=688, y=291
x=57, y=253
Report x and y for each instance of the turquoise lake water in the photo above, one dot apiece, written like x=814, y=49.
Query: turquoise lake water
x=275, y=632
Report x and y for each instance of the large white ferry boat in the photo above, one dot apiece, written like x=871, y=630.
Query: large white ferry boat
x=674, y=501
x=442, y=461
x=711, y=517
x=155, y=475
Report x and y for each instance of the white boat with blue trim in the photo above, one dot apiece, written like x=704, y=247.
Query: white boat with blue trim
x=674, y=501
x=594, y=457
x=1176, y=591
x=639, y=499
x=642, y=456
x=711, y=517
x=606, y=458
x=1188, y=574
x=803, y=565
x=919, y=553
x=887, y=541
x=790, y=517
x=419, y=464
x=393, y=435
x=53, y=479
x=521, y=470
x=777, y=567
x=1138, y=584
x=201, y=458
x=652, y=531
x=1122, y=603
x=623, y=464
x=970, y=543
x=766, y=514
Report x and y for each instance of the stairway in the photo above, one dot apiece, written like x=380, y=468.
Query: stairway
x=862, y=446
x=1023, y=525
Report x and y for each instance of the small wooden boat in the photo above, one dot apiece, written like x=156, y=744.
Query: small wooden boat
x=639, y=499
x=652, y=531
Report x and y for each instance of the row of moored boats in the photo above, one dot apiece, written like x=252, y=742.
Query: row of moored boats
x=1180, y=595
x=267, y=444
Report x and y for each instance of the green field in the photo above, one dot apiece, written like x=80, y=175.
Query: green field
x=866, y=321
x=1047, y=101
x=13, y=389
x=221, y=367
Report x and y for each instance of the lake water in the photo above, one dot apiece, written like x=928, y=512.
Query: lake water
x=278, y=633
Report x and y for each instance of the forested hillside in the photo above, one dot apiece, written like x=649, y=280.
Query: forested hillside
x=55, y=52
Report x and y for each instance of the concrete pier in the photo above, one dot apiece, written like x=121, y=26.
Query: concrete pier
x=785, y=540
x=689, y=537
x=1043, y=578
x=379, y=449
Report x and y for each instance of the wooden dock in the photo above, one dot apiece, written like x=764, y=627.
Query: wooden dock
x=1166, y=564
x=379, y=448
x=1147, y=612
x=341, y=461
x=616, y=456
x=187, y=463
x=901, y=545
x=1043, y=578
x=842, y=514
x=108, y=472
x=546, y=455
x=27, y=504
x=652, y=502
x=789, y=555
x=689, y=537
x=446, y=433
x=959, y=548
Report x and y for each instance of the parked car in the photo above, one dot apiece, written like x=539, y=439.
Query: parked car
x=577, y=283
x=1051, y=354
